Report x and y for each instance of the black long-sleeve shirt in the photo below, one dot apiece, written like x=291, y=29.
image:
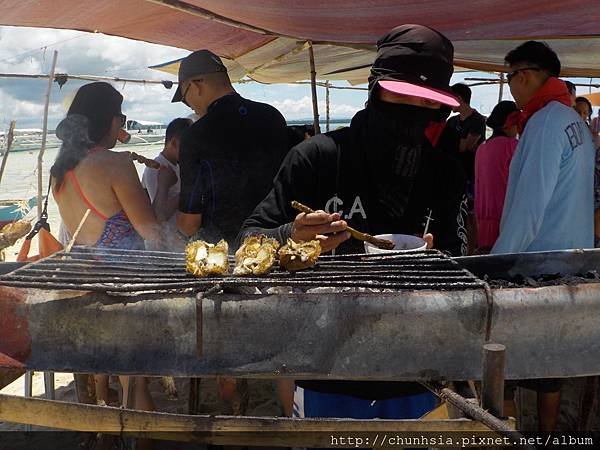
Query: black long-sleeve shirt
x=326, y=172
x=329, y=172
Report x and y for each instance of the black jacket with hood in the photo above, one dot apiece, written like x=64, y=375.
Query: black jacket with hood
x=354, y=171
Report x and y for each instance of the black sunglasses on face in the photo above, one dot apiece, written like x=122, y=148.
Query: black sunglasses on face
x=187, y=89
x=184, y=94
x=510, y=75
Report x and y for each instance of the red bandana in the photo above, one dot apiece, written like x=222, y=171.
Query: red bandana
x=552, y=90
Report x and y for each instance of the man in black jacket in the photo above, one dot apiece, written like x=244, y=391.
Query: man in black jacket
x=379, y=175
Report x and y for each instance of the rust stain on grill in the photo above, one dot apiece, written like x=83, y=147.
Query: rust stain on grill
x=15, y=341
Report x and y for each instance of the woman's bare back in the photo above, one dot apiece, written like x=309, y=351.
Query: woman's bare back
x=109, y=182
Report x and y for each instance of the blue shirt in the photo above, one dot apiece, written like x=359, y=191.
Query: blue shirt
x=549, y=202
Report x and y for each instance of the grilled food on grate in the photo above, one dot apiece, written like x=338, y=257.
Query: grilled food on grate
x=256, y=256
x=203, y=259
x=299, y=255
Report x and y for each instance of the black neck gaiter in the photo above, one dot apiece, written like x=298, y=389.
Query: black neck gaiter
x=391, y=139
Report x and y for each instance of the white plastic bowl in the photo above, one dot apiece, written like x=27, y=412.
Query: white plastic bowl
x=404, y=243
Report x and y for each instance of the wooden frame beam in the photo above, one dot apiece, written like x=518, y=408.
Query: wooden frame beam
x=218, y=430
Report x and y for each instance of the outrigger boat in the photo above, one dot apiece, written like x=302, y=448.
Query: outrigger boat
x=13, y=210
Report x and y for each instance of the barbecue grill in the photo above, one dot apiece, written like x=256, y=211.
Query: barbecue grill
x=402, y=316
x=123, y=271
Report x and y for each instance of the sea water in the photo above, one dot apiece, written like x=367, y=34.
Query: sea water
x=20, y=178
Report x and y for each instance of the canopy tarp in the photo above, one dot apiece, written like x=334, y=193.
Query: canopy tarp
x=265, y=39
x=594, y=98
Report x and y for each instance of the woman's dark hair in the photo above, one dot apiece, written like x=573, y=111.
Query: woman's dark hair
x=499, y=115
x=88, y=121
x=585, y=100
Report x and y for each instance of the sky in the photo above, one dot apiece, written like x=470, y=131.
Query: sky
x=29, y=50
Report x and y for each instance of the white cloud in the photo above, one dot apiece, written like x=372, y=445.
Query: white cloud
x=302, y=108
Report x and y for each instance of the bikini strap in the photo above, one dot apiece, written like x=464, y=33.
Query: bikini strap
x=73, y=178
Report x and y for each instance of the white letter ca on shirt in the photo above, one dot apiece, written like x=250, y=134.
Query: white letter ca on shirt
x=335, y=204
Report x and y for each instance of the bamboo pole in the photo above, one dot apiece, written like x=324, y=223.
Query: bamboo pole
x=9, y=141
x=475, y=412
x=208, y=15
x=220, y=430
x=40, y=162
x=188, y=8
x=77, y=231
x=501, y=87
x=82, y=77
x=327, y=105
x=313, y=88
x=142, y=81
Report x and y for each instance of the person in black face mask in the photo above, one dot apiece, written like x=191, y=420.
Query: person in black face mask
x=379, y=175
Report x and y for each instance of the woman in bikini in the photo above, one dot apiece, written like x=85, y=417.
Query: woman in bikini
x=88, y=175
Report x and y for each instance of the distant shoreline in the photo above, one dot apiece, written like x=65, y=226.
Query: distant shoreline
x=321, y=120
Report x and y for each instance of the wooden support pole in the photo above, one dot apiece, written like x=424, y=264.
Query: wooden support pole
x=9, y=141
x=492, y=385
x=501, y=87
x=313, y=88
x=40, y=161
x=327, y=105
x=218, y=430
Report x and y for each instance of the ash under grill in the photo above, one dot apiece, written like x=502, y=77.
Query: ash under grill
x=127, y=271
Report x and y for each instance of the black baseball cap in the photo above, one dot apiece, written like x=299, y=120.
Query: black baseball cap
x=197, y=63
x=415, y=60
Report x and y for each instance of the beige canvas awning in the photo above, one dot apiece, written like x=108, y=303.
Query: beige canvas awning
x=266, y=39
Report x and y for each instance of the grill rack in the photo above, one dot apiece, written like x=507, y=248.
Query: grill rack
x=135, y=271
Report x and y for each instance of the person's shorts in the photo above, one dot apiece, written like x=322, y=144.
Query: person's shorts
x=539, y=385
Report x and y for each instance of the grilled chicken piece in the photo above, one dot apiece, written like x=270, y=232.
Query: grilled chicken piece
x=256, y=255
x=299, y=255
x=203, y=259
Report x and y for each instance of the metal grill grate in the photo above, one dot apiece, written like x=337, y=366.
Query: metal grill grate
x=127, y=271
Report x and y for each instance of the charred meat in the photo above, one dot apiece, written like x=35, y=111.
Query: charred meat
x=299, y=255
x=256, y=256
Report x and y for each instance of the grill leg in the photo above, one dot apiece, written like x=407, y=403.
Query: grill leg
x=194, y=396
x=492, y=385
x=50, y=392
x=29, y=383
x=128, y=385
x=28, y=390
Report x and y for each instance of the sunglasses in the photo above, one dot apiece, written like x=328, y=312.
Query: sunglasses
x=123, y=118
x=187, y=89
x=509, y=76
